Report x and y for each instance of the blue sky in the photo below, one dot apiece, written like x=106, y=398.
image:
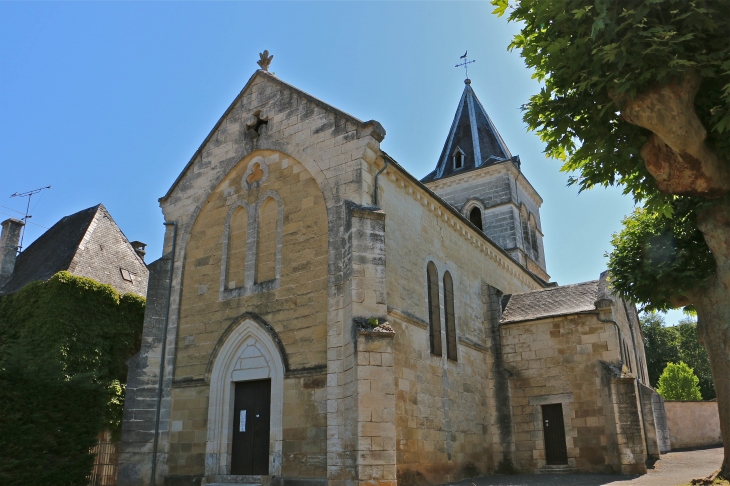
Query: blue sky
x=107, y=102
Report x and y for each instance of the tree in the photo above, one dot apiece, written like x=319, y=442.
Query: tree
x=49, y=421
x=679, y=382
x=692, y=353
x=660, y=345
x=672, y=344
x=637, y=93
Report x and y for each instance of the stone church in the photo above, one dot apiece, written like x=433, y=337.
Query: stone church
x=322, y=317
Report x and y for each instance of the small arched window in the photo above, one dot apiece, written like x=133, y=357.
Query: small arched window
x=450, y=317
x=475, y=216
x=434, y=309
x=458, y=158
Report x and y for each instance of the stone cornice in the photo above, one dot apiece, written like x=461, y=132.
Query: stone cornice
x=439, y=208
x=486, y=171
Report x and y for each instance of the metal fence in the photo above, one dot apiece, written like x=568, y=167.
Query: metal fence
x=104, y=472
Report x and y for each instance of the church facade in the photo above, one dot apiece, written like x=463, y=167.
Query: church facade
x=322, y=316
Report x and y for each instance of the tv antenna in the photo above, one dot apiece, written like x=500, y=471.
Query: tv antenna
x=29, y=195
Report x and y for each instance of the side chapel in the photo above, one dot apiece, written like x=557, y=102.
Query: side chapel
x=322, y=317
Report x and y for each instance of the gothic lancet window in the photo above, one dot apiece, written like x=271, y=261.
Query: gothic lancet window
x=434, y=309
x=237, y=234
x=266, y=244
x=475, y=216
x=450, y=317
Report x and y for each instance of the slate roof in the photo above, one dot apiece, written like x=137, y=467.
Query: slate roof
x=473, y=132
x=550, y=302
x=52, y=252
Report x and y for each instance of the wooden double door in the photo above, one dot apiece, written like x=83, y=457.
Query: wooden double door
x=251, y=419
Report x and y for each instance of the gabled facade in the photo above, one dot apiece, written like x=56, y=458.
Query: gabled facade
x=320, y=316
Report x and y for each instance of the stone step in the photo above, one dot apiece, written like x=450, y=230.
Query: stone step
x=557, y=470
x=233, y=480
x=232, y=484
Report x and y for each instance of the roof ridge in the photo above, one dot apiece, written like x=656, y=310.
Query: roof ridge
x=556, y=288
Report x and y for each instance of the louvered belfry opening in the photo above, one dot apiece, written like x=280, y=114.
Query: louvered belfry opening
x=475, y=216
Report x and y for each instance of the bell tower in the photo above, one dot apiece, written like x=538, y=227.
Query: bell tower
x=478, y=175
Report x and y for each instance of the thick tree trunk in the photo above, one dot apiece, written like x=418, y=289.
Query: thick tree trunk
x=712, y=303
x=677, y=155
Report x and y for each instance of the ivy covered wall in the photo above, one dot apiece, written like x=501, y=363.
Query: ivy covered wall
x=67, y=339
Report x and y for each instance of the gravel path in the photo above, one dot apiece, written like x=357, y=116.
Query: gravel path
x=673, y=469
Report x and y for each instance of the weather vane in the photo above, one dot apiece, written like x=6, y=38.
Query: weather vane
x=465, y=63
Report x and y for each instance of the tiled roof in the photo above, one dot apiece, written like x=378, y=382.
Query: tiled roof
x=52, y=252
x=555, y=301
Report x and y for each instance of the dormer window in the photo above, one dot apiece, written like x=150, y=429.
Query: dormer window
x=458, y=159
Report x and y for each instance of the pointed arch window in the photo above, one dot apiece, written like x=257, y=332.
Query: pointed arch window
x=458, y=158
x=434, y=309
x=450, y=317
x=475, y=216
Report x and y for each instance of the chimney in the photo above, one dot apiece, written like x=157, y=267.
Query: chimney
x=9, y=239
x=139, y=248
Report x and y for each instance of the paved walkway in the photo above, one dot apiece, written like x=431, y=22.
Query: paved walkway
x=673, y=469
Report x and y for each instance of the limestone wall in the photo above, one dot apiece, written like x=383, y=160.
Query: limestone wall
x=294, y=305
x=309, y=303
x=444, y=426
x=693, y=424
x=558, y=361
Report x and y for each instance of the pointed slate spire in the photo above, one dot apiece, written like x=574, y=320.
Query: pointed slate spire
x=473, y=140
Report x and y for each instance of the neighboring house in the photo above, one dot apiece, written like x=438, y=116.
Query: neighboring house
x=88, y=244
x=292, y=239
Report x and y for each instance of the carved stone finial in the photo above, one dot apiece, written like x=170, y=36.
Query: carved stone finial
x=265, y=60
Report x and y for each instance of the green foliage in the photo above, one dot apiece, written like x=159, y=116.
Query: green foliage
x=85, y=326
x=585, y=51
x=678, y=382
x=49, y=421
x=664, y=345
x=656, y=259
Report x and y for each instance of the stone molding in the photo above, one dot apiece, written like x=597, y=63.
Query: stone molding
x=230, y=366
x=484, y=172
x=408, y=318
x=459, y=224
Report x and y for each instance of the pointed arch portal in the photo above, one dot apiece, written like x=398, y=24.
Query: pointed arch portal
x=248, y=354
